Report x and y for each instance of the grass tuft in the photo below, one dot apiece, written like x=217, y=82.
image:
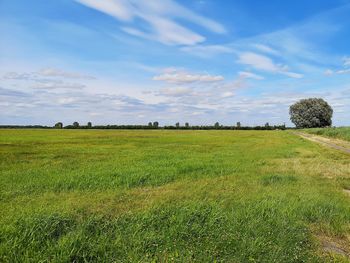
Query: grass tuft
x=277, y=179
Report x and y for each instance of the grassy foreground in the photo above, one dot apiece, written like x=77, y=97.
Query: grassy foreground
x=342, y=133
x=171, y=196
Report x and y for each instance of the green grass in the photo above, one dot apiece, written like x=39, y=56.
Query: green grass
x=342, y=133
x=170, y=196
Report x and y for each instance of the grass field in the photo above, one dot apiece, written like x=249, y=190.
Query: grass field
x=171, y=196
x=342, y=133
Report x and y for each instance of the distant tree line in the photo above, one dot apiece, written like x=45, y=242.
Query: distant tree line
x=306, y=113
x=152, y=126
x=217, y=126
x=25, y=127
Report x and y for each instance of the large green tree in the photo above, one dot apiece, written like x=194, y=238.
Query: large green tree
x=311, y=113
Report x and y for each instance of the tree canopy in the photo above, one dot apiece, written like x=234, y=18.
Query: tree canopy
x=311, y=113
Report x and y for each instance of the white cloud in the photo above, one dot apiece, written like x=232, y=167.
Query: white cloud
x=266, y=49
x=120, y=9
x=292, y=74
x=17, y=76
x=175, y=91
x=169, y=32
x=46, y=79
x=249, y=75
x=186, y=77
x=50, y=85
x=65, y=101
x=205, y=92
x=54, y=72
x=227, y=94
x=159, y=17
x=265, y=63
x=343, y=71
x=258, y=61
x=45, y=72
x=135, y=32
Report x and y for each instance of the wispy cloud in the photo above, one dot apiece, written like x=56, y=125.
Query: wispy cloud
x=54, y=72
x=250, y=75
x=186, y=77
x=17, y=76
x=159, y=18
x=265, y=49
x=344, y=70
x=12, y=93
x=45, y=72
x=175, y=91
x=50, y=85
x=265, y=63
x=48, y=79
x=346, y=61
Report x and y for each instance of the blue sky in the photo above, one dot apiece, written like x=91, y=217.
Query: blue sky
x=199, y=61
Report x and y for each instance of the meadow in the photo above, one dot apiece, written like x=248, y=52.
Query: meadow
x=342, y=133
x=171, y=196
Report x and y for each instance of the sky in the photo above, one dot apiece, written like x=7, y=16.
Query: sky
x=196, y=61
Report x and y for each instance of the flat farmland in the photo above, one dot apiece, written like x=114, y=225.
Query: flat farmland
x=171, y=196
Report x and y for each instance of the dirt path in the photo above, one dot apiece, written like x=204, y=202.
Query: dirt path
x=345, y=147
x=329, y=245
